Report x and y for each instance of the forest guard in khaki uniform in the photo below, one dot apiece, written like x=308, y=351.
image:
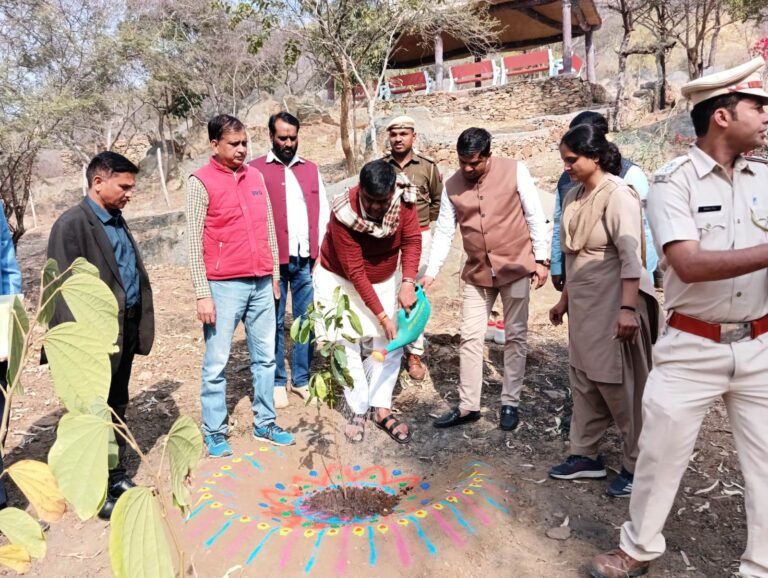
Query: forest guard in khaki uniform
x=709, y=214
x=424, y=174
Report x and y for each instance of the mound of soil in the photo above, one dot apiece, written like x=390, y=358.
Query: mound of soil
x=359, y=503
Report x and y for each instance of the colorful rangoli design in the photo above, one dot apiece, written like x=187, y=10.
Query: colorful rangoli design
x=281, y=520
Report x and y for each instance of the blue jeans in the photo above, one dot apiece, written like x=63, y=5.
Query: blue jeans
x=251, y=301
x=298, y=272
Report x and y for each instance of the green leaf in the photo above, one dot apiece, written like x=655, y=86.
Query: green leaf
x=79, y=361
x=138, y=546
x=15, y=557
x=91, y=302
x=321, y=388
x=336, y=372
x=22, y=529
x=185, y=446
x=306, y=329
x=51, y=282
x=100, y=408
x=82, y=265
x=19, y=330
x=79, y=458
x=344, y=303
x=336, y=293
x=354, y=321
x=340, y=354
x=348, y=381
x=35, y=480
x=295, y=328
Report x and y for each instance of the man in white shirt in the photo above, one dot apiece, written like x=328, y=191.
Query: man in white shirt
x=495, y=203
x=295, y=183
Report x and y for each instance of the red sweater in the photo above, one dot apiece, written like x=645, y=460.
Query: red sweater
x=364, y=259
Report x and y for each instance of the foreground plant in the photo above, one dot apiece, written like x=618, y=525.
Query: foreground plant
x=85, y=447
x=329, y=325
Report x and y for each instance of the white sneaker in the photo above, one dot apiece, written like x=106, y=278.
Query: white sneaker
x=281, y=397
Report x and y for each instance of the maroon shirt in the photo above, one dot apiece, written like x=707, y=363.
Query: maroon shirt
x=364, y=259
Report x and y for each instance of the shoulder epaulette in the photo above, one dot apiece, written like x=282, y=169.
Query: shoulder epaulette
x=425, y=157
x=762, y=160
x=665, y=173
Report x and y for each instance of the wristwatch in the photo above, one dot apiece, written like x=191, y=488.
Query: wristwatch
x=544, y=262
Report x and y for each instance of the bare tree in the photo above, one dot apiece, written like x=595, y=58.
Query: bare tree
x=60, y=66
x=627, y=10
x=352, y=41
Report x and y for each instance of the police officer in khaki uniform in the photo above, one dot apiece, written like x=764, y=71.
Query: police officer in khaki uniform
x=422, y=172
x=709, y=214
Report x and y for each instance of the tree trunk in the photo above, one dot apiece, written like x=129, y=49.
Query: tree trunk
x=589, y=47
x=346, y=98
x=567, y=40
x=621, y=79
x=713, y=40
x=438, y=61
x=660, y=95
x=371, y=144
x=330, y=88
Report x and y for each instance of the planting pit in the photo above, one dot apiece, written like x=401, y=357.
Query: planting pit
x=359, y=503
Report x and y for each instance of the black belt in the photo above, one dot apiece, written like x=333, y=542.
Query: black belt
x=132, y=312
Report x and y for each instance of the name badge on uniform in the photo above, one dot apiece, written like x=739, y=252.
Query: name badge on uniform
x=710, y=209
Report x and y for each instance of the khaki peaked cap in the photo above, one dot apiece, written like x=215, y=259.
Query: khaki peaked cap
x=743, y=79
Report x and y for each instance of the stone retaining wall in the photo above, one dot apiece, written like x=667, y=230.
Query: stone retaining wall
x=520, y=99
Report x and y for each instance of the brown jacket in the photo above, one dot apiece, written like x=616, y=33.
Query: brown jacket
x=493, y=227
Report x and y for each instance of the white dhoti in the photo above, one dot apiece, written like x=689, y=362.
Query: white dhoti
x=374, y=381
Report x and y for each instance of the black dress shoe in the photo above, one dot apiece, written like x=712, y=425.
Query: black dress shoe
x=106, y=510
x=509, y=418
x=454, y=417
x=115, y=491
x=119, y=488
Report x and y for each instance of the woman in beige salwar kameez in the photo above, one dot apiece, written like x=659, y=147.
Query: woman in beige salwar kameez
x=612, y=310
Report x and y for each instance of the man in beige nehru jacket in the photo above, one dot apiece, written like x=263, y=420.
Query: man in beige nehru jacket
x=708, y=211
x=496, y=205
x=425, y=176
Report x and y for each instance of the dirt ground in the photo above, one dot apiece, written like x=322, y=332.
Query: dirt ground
x=705, y=532
x=478, y=500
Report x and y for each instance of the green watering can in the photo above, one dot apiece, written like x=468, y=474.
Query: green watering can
x=409, y=325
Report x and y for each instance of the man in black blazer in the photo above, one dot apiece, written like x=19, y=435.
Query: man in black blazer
x=96, y=230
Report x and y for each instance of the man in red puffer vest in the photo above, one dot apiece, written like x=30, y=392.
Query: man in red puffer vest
x=235, y=270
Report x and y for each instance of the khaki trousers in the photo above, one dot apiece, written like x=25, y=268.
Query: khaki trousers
x=596, y=404
x=689, y=374
x=417, y=347
x=476, y=307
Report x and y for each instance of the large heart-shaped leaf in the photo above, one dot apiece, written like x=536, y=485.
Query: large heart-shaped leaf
x=51, y=282
x=23, y=530
x=19, y=329
x=185, y=446
x=92, y=303
x=79, y=459
x=15, y=557
x=82, y=265
x=79, y=360
x=100, y=408
x=138, y=546
x=36, y=481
